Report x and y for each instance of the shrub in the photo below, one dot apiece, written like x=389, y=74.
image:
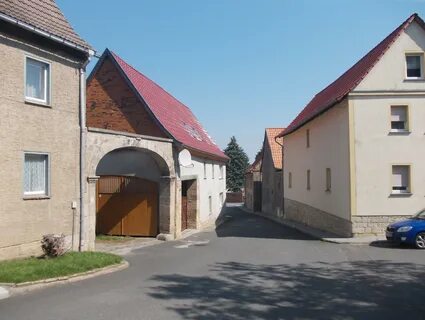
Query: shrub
x=53, y=245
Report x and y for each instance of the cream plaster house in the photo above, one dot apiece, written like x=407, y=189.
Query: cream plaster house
x=42, y=82
x=354, y=155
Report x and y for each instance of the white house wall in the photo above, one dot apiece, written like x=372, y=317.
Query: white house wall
x=376, y=150
x=389, y=73
x=207, y=186
x=329, y=148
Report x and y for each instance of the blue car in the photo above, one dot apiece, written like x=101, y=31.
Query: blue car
x=410, y=231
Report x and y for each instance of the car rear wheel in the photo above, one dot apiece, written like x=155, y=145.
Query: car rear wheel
x=420, y=240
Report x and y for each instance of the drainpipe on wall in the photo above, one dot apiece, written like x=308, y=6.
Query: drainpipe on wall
x=83, y=131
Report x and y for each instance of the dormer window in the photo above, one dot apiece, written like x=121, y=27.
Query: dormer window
x=414, y=63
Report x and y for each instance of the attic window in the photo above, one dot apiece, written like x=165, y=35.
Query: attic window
x=192, y=131
x=414, y=64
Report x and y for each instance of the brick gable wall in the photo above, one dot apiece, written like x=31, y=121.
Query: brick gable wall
x=111, y=104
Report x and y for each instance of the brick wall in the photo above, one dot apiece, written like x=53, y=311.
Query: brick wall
x=111, y=104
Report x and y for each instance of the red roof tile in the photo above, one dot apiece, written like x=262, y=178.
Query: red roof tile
x=339, y=89
x=173, y=115
x=275, y=148
x=44, y=15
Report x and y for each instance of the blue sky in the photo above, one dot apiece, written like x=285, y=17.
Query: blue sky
x=240, y=65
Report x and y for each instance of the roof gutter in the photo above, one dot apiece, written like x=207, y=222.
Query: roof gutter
x=45, y=34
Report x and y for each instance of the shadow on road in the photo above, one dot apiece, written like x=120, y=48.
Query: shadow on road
x=348, y=290
x=238, y=223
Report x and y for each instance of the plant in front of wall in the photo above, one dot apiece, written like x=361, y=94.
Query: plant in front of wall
x=53, y=245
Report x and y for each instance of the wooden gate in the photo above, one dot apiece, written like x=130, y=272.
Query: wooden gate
x=127, y=206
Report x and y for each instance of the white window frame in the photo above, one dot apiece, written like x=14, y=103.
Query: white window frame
x=46, y=193
x=407, y=122
x=421, y=56
x=47, y=82
x=221, y=167
x=205, y=170
x=408, y=190
x=212, y=171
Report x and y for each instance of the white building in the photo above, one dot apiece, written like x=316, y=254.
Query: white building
x=354, y=157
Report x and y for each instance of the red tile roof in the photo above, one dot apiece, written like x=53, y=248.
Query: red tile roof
x=44, y=15
x=339, y=89
x=173, y=115
x=275, y=148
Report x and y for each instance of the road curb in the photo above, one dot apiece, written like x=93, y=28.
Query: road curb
x=25, y=287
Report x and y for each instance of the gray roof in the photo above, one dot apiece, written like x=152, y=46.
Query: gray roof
x=44, y=15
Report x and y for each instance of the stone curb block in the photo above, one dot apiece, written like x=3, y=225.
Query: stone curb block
x=25, y=287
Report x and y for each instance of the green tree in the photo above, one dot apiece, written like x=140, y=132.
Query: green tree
x=236, y=168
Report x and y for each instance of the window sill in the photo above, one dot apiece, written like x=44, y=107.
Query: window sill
x=399, y=133
x=414, y=79
x=401, y=195
x=37, y=103
x=35, y=197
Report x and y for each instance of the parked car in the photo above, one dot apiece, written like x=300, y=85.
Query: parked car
x=409, y=231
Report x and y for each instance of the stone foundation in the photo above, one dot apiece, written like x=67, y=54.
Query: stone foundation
x=372, y=225
x=315, y=218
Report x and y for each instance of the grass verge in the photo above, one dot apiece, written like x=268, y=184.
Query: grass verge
x=33, y=269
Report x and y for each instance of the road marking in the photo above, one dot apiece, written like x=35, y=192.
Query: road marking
x=190, y=243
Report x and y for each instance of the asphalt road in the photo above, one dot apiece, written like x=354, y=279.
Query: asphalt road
x=250, y=268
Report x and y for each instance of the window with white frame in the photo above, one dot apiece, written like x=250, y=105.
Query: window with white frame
x=401, y=179
x=37, y=80
x=212, y=171
x=221, y=171
x=328, y=179
x=399, y=119
x=36, y=174
x=414, y=66
x=205, y=170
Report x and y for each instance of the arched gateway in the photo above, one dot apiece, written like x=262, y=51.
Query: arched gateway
x=131, y=184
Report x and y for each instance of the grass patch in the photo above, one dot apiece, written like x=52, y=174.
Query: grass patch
x=104, y=237
x=32, y=269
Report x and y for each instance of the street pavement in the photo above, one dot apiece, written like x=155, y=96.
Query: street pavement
x=249, y=268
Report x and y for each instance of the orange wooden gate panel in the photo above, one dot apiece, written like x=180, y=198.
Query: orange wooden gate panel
x=127, y=206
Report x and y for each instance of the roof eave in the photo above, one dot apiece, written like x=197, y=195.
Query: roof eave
x=46, y=34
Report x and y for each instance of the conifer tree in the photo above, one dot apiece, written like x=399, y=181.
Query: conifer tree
x=237, y=165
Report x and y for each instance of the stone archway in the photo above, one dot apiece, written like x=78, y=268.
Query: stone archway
x=103, y=150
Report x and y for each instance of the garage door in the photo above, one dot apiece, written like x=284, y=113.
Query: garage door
x=127, y=206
